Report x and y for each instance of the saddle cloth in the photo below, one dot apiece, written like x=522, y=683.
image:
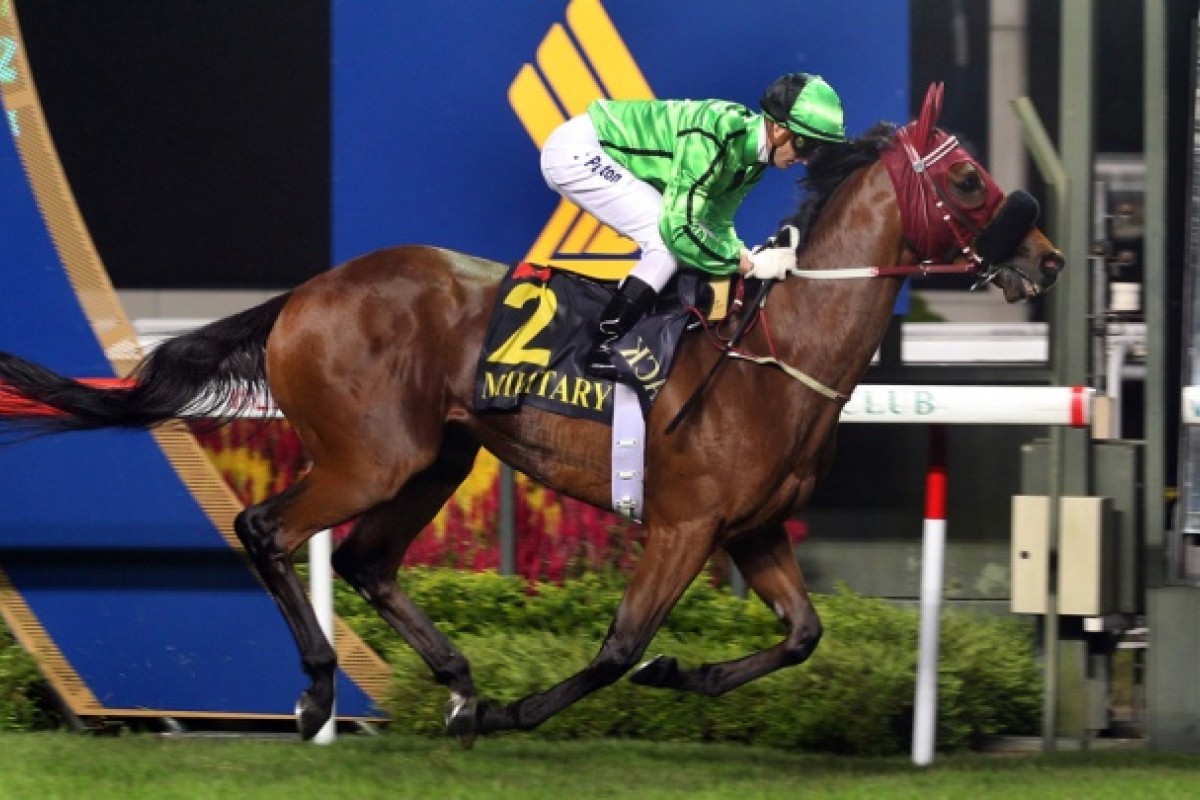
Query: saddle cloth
x=543, y=325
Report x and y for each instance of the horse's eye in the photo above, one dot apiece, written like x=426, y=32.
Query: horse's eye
x=971, y=184
x=967, y=185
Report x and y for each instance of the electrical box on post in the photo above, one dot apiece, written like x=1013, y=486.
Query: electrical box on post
x=1030, y=553
x=1086, y=555
x=1085, y=561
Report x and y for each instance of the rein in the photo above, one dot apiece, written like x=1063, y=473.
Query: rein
x=934, y=227
x=837, y=273
x=849, y=273
x=985, y=276
x=756, y=311
x=753, y=311
x=793, y=373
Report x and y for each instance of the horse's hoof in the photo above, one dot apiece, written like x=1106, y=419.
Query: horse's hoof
x=311, y=716
x=659, y=671
x=462, y=719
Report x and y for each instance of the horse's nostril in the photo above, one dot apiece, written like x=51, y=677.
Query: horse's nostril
x=1052, y=263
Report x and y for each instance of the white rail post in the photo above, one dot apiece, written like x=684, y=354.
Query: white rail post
x=936, y=406
x=320, y=576
x=933, y=549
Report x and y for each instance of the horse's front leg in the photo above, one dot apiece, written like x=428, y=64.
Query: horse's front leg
x=671, y=561
x=769, y=566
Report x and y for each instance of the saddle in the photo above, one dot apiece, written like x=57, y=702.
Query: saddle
x=541, y=329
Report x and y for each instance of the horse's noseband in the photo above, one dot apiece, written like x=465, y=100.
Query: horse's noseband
x=999, y=239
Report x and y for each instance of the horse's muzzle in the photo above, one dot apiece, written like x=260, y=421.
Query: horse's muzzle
x=999, y=239
x=1051, y=266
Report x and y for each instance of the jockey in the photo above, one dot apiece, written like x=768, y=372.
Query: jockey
x=671, y=174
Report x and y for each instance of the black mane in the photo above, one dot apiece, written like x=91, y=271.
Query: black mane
x=829, y=167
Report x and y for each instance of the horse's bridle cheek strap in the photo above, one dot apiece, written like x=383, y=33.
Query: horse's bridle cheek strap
x=1000, y=238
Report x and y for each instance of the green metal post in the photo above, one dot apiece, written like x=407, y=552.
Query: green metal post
x=1154, y=289
x=1173, y=607
x=508, y=520
x=1071, y=331
x=1046, y=157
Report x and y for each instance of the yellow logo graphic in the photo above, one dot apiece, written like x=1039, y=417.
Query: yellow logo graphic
x=566, y=78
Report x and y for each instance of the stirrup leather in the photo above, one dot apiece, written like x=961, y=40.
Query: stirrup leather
x=623, y=311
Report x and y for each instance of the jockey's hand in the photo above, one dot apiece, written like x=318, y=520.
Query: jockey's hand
x=746, y=262
x=772, y=263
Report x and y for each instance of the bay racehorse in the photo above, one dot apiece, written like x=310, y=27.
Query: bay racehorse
x=373, y=363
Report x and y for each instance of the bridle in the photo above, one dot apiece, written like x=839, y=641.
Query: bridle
x=944, y=237
x=924, y=202
x=981, y=239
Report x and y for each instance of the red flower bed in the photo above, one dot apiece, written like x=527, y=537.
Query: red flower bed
x=557, y=537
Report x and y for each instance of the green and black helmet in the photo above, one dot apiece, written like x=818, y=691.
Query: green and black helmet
x=807, y=106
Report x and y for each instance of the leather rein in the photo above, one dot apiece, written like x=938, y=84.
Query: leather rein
x=919, y=197
x=929, y=197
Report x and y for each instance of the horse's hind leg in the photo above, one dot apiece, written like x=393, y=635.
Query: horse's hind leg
x=670, y=563
x=271, y=531
x=766, y=561
x=370, y=557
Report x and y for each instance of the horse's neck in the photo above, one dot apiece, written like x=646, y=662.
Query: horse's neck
x=832, y=328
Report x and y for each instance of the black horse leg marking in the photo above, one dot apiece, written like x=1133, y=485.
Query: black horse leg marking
x=257, y=527
x=766, y=561
x=670, y=563
x=370, y=557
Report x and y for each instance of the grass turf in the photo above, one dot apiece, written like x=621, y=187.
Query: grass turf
x=130, y=767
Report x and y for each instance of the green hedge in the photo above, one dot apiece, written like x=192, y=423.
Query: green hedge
x=855, y=695
x=21, y=689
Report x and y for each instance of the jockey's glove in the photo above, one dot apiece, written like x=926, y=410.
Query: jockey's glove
x=773, y=262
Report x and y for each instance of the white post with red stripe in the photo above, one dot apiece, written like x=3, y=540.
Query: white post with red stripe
x=938, y=406
x=933, y=550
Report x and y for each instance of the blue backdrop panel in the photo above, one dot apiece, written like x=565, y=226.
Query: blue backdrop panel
x=427, y=148
x=123, y=570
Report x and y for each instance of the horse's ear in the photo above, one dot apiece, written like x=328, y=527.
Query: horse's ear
x=931, y=110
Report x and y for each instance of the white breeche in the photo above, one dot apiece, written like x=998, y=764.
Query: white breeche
x=576, y=166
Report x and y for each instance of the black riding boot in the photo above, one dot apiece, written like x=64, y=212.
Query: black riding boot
x=626, y=307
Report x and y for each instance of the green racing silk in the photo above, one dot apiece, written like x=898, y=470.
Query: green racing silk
x=702, y=155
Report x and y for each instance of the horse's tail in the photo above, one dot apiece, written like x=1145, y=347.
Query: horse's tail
x=209, y=372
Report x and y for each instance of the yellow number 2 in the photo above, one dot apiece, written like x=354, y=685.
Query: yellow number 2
x=514, y=350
